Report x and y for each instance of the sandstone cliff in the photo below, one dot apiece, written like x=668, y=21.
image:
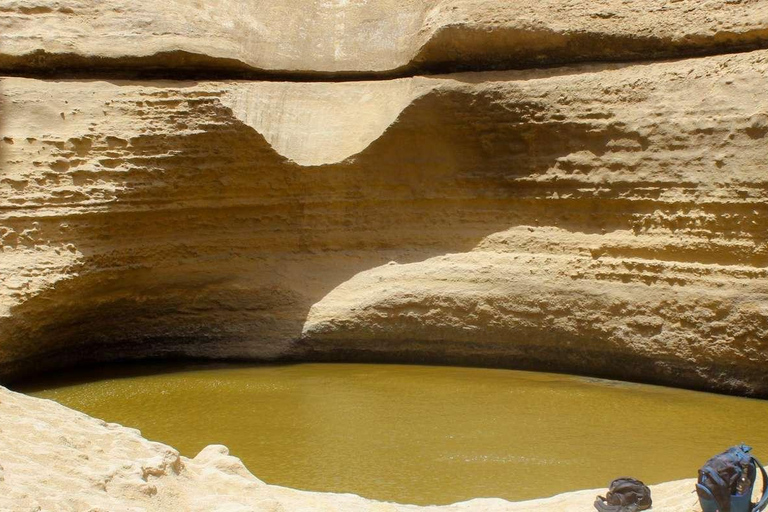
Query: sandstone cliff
x=605, y=217
x=56, y=459
x=370, y=37
x=602, y=219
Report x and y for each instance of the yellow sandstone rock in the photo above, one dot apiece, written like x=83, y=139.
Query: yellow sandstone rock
x=363, y=36
x=606, y=219
x=600, y=219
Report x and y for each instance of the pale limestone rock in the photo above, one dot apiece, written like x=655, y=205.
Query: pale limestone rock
x=363, y=36
x=602, y=219
x=60, y=460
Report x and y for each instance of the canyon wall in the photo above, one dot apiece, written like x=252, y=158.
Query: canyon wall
x=604, y=217
x=362, y=37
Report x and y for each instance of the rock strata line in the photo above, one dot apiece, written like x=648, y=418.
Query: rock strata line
x=374, y=38
x=558, y=219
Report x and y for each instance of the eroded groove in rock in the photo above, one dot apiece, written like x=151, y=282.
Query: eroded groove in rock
x=377, y=37
x=558, y=219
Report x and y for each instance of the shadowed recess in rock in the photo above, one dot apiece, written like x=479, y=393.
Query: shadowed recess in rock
x=373, y=39
x=559, y=220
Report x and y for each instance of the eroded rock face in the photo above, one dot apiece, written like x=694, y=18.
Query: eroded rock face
x=362, y=36
x=601, y=219
x=56, y=459
x=606, y=219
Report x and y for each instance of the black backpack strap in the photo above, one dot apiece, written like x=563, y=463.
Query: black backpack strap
x=714, y=476
x=602, y=506
x=764, y=498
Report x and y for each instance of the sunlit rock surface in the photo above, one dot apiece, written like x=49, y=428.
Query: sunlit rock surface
x=363, y=36
x=602, y=219
x=56, y=459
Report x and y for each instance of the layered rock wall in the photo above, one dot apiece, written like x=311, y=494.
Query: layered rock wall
x=369, y=37
x=603, y=218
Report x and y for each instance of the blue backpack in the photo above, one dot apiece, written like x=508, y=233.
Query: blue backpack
x=726, y=482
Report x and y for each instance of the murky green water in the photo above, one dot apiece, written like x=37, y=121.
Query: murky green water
x=421, y=434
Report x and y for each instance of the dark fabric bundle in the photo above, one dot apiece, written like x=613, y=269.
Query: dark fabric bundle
x=625, y=495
